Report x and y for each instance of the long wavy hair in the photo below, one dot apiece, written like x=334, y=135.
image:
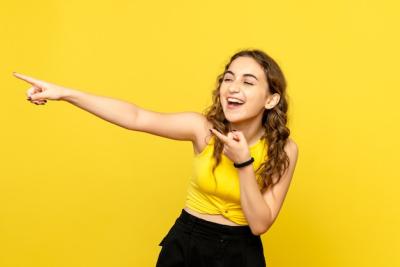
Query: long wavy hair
x=273, y=120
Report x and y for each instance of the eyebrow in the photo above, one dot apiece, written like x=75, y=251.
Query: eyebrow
x=246, y=74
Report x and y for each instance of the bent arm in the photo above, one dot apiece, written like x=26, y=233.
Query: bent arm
x=261, y=208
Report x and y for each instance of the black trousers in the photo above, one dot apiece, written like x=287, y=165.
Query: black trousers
x=194, y=242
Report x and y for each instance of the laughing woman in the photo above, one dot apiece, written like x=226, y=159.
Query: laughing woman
x=243, y=159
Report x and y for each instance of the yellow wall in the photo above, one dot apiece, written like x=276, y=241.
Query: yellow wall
x=76, y=190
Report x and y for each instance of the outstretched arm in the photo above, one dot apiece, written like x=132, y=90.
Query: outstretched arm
x=179, y=126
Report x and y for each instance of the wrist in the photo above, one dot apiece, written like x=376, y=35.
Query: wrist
x=244, y=163
x=246, y=169
x=68, y=94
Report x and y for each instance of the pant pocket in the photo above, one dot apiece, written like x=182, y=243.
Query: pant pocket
x=170, y=234
x=172, y=251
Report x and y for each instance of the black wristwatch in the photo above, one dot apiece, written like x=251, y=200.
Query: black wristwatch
x=243, y=164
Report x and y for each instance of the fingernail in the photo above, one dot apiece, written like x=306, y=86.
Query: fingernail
x=210, y=130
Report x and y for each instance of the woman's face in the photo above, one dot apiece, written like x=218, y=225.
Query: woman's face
x=246, y=82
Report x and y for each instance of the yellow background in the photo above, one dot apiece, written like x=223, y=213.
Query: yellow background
x=78, y=191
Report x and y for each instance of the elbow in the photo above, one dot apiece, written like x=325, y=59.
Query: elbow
x=260, y=229
x=262, y=225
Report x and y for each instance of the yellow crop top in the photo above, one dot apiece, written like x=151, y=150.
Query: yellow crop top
x=204, y=196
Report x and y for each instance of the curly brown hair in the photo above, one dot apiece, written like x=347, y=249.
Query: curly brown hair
x=273, y=120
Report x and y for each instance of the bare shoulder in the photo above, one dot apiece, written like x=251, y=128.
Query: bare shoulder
x=292, y=150
x=203, y=134
x=291, y=146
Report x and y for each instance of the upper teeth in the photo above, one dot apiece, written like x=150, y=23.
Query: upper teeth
x=230, y=99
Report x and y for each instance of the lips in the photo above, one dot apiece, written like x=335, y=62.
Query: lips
x=233, y=105
x=234, y=100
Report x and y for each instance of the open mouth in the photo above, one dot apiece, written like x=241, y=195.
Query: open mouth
x=234, y=103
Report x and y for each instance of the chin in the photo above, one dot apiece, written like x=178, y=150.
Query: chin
x=233, y=118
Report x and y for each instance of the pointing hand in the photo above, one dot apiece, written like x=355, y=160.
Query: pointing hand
x=41, y=90
x=235, y=145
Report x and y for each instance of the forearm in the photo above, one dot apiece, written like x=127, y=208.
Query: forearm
x=113, y=110
x=256, y=210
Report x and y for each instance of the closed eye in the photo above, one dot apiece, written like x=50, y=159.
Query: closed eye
x=226, y=79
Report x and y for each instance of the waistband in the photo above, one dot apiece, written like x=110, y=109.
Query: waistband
x=196, y=224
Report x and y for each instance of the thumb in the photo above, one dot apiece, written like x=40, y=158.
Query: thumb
x=235, y=135
x=38, y=96
x=239, y=136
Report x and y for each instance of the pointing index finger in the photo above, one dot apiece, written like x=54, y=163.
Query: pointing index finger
x=28, y=79
x=219, y=135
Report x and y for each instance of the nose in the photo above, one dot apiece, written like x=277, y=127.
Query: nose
x=233, y=87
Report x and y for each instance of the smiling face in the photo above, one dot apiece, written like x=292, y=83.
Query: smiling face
x=244, y=82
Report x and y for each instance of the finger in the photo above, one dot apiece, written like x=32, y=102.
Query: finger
x=41, y=95
x=32, y=90
x=38, y=102
x=236, y=134
x=240, y=136
x=37, y=97
x=233, y=135
x=221, y=136
x=28, y=79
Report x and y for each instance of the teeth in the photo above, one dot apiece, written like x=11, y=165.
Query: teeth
x=230, y=99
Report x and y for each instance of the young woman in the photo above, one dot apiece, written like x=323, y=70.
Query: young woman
x=243, y=164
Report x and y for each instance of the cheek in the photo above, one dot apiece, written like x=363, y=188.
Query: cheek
x=222, y=90
x=256, y=102
x=221, y=96
x=259, y=97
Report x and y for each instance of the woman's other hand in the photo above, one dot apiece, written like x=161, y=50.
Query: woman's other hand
x=235, y=145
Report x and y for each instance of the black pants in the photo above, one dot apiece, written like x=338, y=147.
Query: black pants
x=194, y=242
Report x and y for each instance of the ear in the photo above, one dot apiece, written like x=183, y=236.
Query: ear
x=272, y=101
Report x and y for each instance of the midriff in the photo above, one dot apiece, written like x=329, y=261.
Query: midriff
x=217, y=218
